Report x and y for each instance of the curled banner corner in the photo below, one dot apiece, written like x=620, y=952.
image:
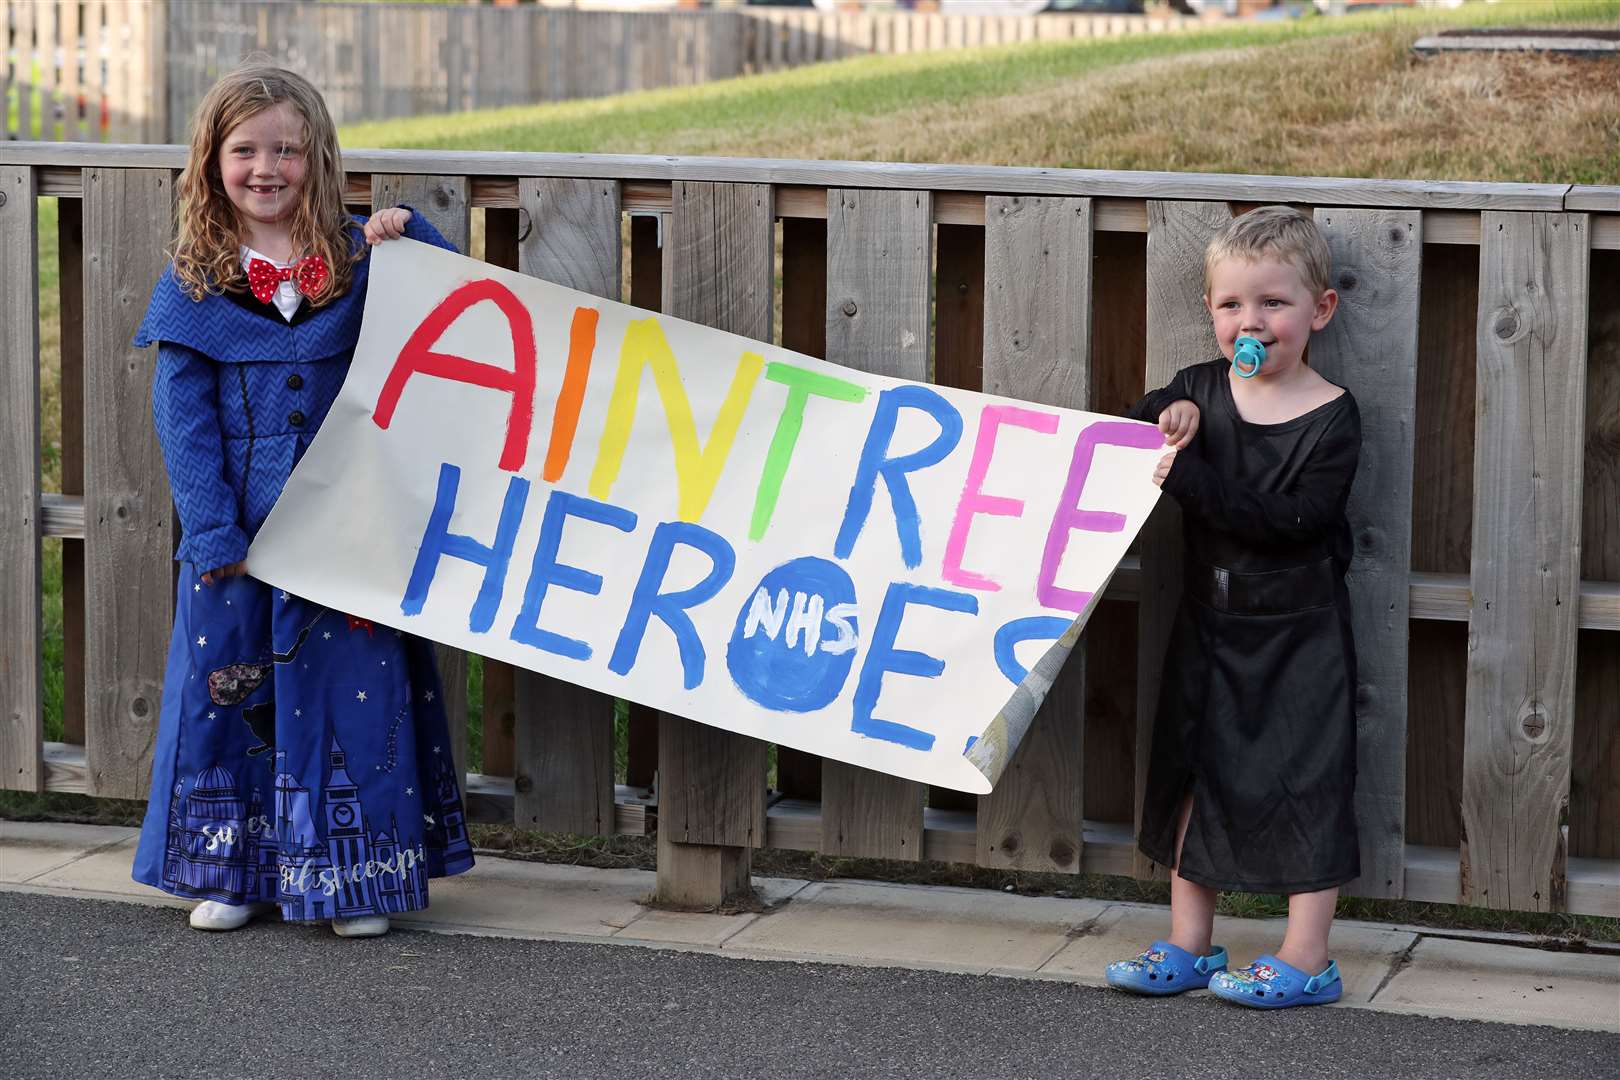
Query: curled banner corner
x=994, y=747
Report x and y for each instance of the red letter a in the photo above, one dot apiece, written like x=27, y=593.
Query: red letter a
x=418, y=356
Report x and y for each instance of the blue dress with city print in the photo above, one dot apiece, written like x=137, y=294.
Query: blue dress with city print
x=303, y=755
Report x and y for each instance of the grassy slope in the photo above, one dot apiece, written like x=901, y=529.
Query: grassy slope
x=1203, y=101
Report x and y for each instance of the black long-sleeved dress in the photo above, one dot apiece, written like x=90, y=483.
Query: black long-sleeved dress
x=1256, y=713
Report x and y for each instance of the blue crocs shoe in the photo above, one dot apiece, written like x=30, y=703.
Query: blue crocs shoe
x=1166, y=969
x=1268, y=983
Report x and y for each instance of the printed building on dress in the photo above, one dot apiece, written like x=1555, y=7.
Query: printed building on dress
x=218, y=845
x=346, y=860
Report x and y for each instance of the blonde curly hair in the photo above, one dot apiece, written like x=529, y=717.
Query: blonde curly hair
x=207, y=251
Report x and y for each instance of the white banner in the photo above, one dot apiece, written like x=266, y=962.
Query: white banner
x=882, y=572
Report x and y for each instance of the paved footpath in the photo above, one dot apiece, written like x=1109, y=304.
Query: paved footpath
x=102, y=978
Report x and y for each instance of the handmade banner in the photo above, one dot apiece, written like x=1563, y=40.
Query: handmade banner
x=882, y=572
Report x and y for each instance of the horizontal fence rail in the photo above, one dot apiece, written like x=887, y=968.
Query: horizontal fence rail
x=1478, y=330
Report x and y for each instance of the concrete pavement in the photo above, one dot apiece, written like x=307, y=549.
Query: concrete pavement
x=969, y=931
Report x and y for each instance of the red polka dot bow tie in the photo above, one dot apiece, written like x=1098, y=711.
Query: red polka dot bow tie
x=308, y=273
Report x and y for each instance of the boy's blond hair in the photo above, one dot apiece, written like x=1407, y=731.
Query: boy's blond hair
x=1278, y=232
x=207, y=253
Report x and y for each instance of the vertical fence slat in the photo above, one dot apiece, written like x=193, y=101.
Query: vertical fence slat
x=563, y=752
x=129, y=527
x=67, y=21
x=1037, y=347
x=445, y=201
x=1526, y=571
x=878, y=271
x=7, y=21
x=46, y=29
x=21, y=704
x=1371, y=348
x=22, y=47
x=95, y=39
x=1178, y=334
x=711, y=789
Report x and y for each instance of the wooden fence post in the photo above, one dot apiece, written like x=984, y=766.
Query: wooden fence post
x=1533, y=303
x=711, y=783
x=21, y=705
x=445, y=201
x=1178, y=334
x=879, y=251
x=1371, y=348
x=1037, y=347
x=563, y=742
x=129, y=516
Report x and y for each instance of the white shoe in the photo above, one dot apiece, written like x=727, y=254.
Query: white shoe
x=215, y=915
x=361, y=926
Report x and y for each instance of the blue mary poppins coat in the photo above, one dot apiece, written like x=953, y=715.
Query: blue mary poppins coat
x=302, y=754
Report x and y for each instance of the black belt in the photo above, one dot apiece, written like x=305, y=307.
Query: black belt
x=1269, y=592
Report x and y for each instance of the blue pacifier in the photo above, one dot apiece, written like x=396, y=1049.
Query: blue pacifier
x=1246, y=350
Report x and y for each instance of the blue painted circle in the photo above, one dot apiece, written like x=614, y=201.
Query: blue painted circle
x=773, y=674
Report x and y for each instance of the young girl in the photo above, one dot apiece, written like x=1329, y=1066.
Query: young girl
x=1251, y=780
x=302, y=757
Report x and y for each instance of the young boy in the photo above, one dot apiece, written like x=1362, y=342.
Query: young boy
x=1251, y=780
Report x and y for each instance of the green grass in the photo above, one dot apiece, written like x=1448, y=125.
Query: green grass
x=784, y=108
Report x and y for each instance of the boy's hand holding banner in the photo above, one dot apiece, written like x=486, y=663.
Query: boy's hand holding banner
x=881, y=572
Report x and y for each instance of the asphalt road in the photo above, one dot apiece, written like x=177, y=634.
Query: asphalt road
x=97, y=989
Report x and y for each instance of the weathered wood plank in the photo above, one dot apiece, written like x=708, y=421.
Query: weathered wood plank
x=1527, y=490
x=22, y=715
x=890, y=176
x=563, y=761
x=563, y=740
x=442, y=200
x=129, y=540
x=1178, y=334
x=711, y=791
x=1037, y=347
x=722, y=240
x=877, y=317
x=1371, y=348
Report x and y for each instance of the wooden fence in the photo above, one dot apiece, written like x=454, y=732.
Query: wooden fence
x=1479, y=330
x=134, y=70
x=81, y=70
